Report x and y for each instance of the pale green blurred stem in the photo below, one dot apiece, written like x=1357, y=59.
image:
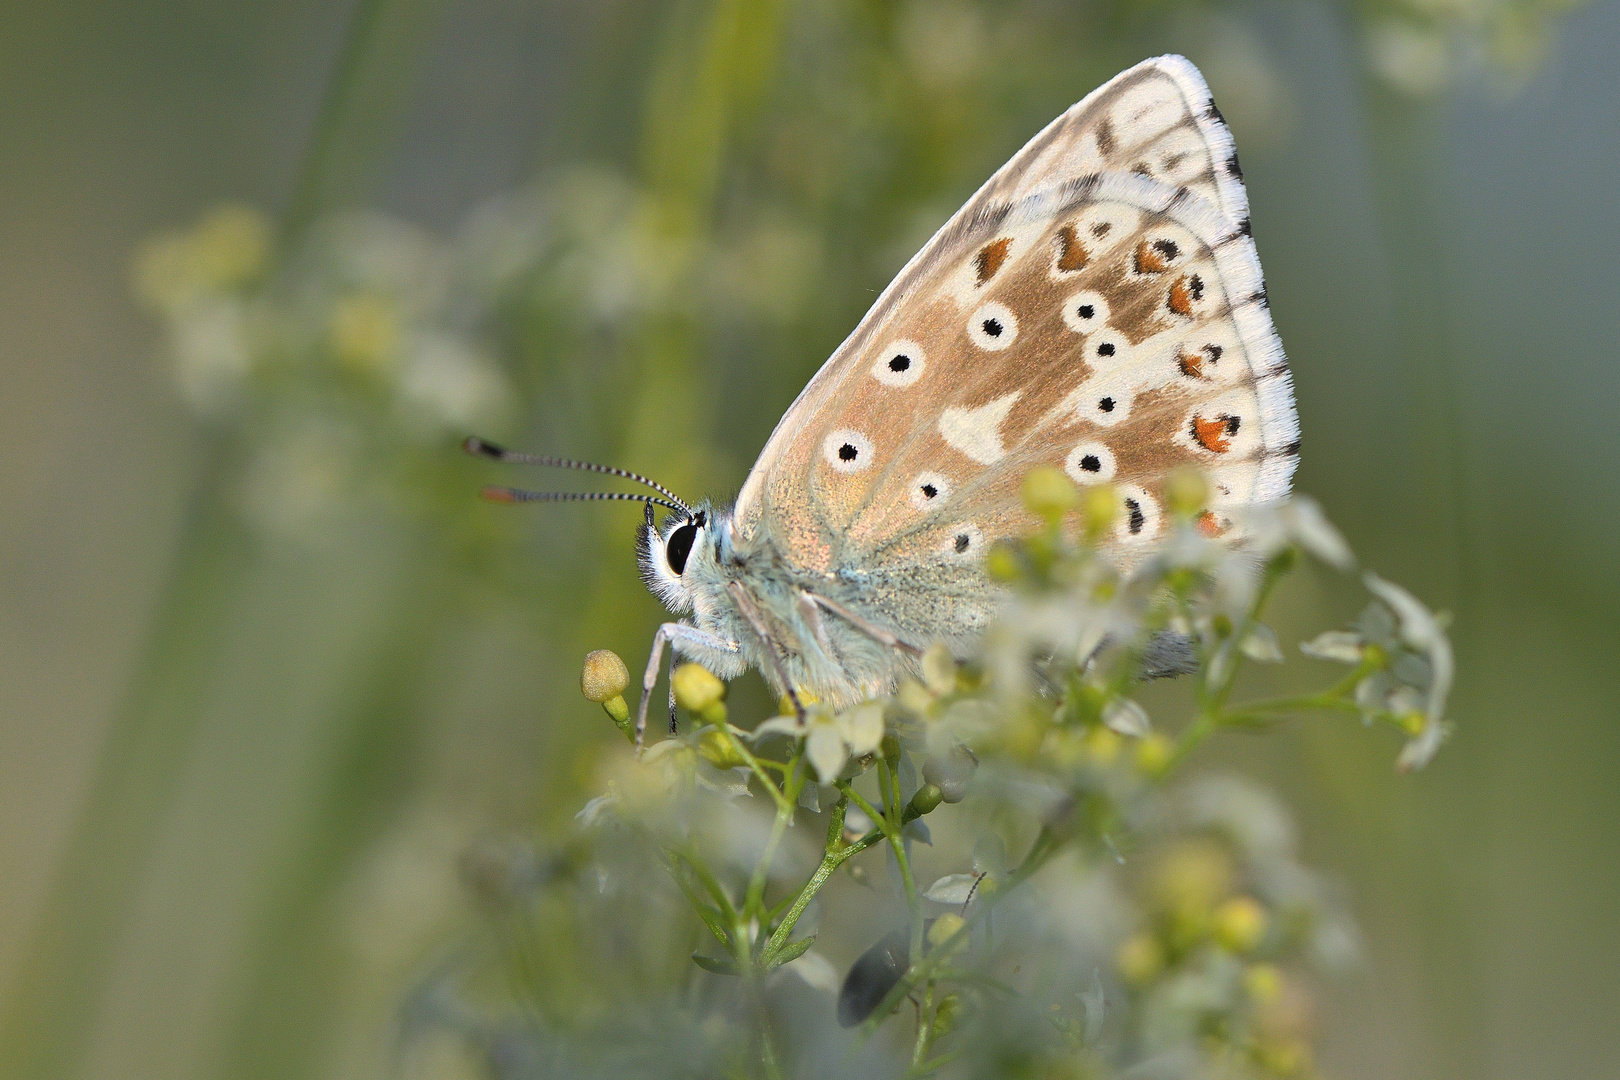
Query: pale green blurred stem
x=1437, y=538
x=714, y=62
x=52, y=1004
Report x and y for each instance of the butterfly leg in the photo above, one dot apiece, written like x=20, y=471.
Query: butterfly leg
x=745, y=604
x=681, y=638
x=876, y=633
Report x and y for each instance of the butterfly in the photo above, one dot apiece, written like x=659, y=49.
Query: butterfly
x=1097, y=305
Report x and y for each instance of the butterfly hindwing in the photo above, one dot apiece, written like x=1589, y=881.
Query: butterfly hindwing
x=1097, y=306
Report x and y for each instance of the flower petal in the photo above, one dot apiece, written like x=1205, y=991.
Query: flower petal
x=1260, y=643
x=952, y=889
x=862, y=728
x=1341, y=645
x=824, y=746
x=1126, y=717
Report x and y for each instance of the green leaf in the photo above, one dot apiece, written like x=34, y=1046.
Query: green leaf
x=792, y=951
x=717, y=965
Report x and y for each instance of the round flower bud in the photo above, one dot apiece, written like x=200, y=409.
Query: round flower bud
x=719, y=751
x=604, y=676
x=1239, y=924
x=1186, y=493
x=1099, y=506
x=1139, y=959
x=1002, y=563
x=1263, y=982
x=939, y=669
x=927, y=798
x=696, y=688
x=943, y=929
x=1154, y=754
x=1049, y=493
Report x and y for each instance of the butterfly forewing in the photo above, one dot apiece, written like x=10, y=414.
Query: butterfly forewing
x=1097, y=306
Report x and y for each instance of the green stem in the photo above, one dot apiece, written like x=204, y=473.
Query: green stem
x=837, y=854
x=754, y=902
x=925, y=1027
x=758, y=769
x=1045, y=846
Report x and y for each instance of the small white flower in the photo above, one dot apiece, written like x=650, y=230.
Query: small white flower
x=952, y=889
x=1260, y=643
x=1421, y=631
x=1271, y=527
x=862, y=728
x=824, y=747
x=593, y=810
x=1341, y=645
x=1126, y=717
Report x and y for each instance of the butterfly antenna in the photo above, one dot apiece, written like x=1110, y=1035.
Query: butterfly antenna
x=519, y=495
x=479, y=448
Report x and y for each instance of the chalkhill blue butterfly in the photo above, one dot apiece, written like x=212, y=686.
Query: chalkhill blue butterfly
x=1097, y=305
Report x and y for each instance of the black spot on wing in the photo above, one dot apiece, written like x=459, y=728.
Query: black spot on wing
x=1233, y=167
x=1213, y=113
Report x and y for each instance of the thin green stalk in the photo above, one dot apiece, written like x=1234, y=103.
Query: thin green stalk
x=925, y=1026
x=754, y=902
x=1046, y=844
x=758, y=769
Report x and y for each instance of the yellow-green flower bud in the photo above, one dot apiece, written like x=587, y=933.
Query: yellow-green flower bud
x=1002, y=563
x=604, y=677
x=1139, y=959
x=1239, y=924
x=1099, y=507
x=1263, y=982
x=944, y=928
x=946, y=1014
x=1186, y=493
x=719, y=751
x=939, y=669
x=696, y=688
x=1154, y=754
x=927, y=798
x=784, y=706
x=1049, y=493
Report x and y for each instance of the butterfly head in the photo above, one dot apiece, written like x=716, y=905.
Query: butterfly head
x=675, y=555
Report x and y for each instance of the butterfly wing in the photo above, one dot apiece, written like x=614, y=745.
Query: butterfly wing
x=1097, y=305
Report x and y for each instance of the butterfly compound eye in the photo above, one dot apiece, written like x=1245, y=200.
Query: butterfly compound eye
x=679, y=547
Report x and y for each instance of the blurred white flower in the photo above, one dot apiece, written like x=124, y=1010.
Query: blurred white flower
x=830, y=741
x=447, y=386
x=1341, y=645
x=1273, y=526
x=1420, y=630
x=211, y=352
x=1126, y=717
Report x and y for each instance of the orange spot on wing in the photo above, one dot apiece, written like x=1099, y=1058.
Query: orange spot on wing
x=990, y=258
x=1181, y=296
x=1155, y=256
x=1187, y=291
x=1192, y=364
x=1208, y=524
x=1212, y=435
x=1072, y=254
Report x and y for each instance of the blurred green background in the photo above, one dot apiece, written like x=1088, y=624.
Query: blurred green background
x=267, y=667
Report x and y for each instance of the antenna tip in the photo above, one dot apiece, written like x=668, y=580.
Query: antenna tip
x=499, y=495
x=479, y=448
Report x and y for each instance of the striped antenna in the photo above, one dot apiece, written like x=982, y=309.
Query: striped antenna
x=519, y=495
x=479, y=448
